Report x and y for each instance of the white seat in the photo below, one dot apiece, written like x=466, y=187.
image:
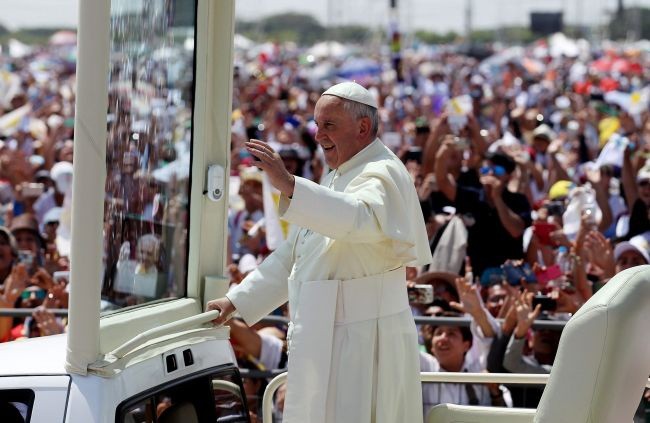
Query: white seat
x=601, y=367
x=452, y=413
x=603, y=360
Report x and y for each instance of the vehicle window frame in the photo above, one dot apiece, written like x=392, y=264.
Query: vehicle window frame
x=208, y=375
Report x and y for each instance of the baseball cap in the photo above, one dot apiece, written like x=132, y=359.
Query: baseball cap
x=544, y=132
x=643, y=174
x=639, y=243
x=560, y=189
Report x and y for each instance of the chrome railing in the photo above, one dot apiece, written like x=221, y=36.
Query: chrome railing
x=427, y=377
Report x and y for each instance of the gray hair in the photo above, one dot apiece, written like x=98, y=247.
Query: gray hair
x=360, y=110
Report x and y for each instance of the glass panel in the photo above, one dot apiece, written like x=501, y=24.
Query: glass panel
x=228, y=401
x=16, y=405
x=141, y=412
x=150, y=106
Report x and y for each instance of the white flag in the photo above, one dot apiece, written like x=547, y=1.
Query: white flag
x=276, y=229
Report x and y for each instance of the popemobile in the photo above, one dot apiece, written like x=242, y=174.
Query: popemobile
x=148, y=250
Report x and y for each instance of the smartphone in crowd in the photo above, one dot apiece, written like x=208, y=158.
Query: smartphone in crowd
x=61, y=276
x=544, y=276
x=543, y=231
x=32, y=189
x=414, y=154
x=420, y=294
x=547, y=303
x=514, y=273
x=26, y=257
x=461, y=143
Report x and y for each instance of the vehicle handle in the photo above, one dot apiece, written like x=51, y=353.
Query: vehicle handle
x=177, y=326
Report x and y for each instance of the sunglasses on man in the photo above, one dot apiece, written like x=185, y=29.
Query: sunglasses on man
x=40, y=294
x=495, y=170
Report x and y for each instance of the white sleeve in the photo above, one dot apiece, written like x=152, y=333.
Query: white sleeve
x=271, y=351
x=337, y=215
x=480, y=343
x=376, y=206
x=265, y=288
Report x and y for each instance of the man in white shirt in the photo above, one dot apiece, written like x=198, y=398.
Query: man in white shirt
x=353, y=345
x=449, y=347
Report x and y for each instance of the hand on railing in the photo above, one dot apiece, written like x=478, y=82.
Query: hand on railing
x=225, y=308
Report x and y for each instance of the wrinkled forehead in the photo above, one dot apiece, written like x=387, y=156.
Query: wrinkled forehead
x=328, y=104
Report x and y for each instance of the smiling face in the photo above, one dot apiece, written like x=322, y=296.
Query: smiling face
x=27, y=240
x=629, y=258
x=497, y=296
x=340, y=135
x=449, y=347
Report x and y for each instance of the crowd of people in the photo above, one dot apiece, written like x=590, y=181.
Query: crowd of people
x=530, y=169
x=36, y=152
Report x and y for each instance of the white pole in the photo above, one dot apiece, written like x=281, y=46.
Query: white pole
x=88, y=184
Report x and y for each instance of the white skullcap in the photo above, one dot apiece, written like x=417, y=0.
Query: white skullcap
x=353, y=92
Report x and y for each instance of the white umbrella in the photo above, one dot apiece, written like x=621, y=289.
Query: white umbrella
x=328, y=49
x=63, y=38
x=242, y=43
x=18, y=49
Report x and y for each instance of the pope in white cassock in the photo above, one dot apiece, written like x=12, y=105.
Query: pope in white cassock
x=353, y=353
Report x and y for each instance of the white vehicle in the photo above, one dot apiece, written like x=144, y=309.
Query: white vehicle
x=147, y=241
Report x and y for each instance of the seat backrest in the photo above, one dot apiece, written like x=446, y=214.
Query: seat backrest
x=603, y=359
x=452, y=413
x=182, y=412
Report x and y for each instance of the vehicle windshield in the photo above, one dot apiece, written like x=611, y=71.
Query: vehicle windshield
x=148, y=151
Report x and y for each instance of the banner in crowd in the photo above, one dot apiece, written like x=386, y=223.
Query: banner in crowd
x=276, y=228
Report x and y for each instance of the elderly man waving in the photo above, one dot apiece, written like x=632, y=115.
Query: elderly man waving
x=353, y=353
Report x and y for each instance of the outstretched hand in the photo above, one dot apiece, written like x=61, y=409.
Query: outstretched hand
x=526, y=315
x=468, y=294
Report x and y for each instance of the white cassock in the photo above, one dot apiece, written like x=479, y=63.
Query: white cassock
x=353, y=353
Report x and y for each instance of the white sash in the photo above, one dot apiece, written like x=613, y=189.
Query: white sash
x=322, y=305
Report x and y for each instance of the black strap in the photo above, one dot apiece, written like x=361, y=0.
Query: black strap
x=471, y=394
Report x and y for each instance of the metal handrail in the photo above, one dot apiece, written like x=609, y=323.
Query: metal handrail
x=445, y=377
x=267, y=399
x=419, y=320
x=427, y=377
x=26, y=312
x=178, y=325
x=449, y=321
